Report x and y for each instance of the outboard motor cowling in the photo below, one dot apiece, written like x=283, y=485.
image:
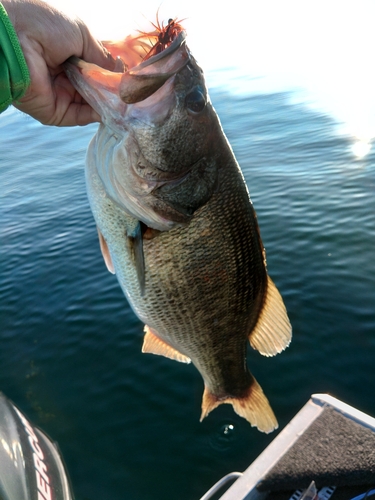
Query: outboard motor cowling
x=31, y=467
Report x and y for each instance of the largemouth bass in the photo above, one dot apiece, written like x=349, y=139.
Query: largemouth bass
x=175, y=221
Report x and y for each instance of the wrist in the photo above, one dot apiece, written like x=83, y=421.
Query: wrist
x=14, y=73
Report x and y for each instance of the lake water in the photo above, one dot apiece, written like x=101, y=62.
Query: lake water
x=128, y=423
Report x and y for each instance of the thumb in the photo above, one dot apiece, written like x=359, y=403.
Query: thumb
x=93, y=51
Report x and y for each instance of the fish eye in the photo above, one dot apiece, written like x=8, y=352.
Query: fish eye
x=195, y=100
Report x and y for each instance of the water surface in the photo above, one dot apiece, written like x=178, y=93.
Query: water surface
x=128, y=423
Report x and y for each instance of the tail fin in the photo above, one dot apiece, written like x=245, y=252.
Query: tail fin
x=254, y=407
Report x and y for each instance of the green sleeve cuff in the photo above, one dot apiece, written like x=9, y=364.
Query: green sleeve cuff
x=14, y=73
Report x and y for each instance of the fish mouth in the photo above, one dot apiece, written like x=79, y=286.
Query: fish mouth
x=146, y=78
x=177, y=42
x=108, y=92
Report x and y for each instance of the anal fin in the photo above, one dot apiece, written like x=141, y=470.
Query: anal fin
x=154, y=345
x=273, y=331
x=105, y=252
x=254, y=407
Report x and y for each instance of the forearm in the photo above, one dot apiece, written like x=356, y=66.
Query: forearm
x=14, y=72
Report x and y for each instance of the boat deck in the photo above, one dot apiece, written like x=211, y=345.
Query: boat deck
x=327, y=441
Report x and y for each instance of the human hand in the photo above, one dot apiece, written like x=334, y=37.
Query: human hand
x=48, y=38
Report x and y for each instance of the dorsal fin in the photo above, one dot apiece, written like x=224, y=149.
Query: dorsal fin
x=273, y=331
x=105, y=252
x=153, y=344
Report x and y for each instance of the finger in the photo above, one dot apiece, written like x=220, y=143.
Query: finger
x=93, y=51
x=78, y=114
x=70, y=107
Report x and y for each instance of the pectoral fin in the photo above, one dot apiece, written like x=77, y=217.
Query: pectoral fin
x=154, y=345
x=105, y=252
x=254, y=407
x=273, y=331
x=135, y=237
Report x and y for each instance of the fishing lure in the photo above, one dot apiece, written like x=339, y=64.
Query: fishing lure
x=164, y=35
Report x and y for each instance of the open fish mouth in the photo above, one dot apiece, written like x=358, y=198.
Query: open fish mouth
x=174, y=45
x=131, y=86
x=146, y=78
